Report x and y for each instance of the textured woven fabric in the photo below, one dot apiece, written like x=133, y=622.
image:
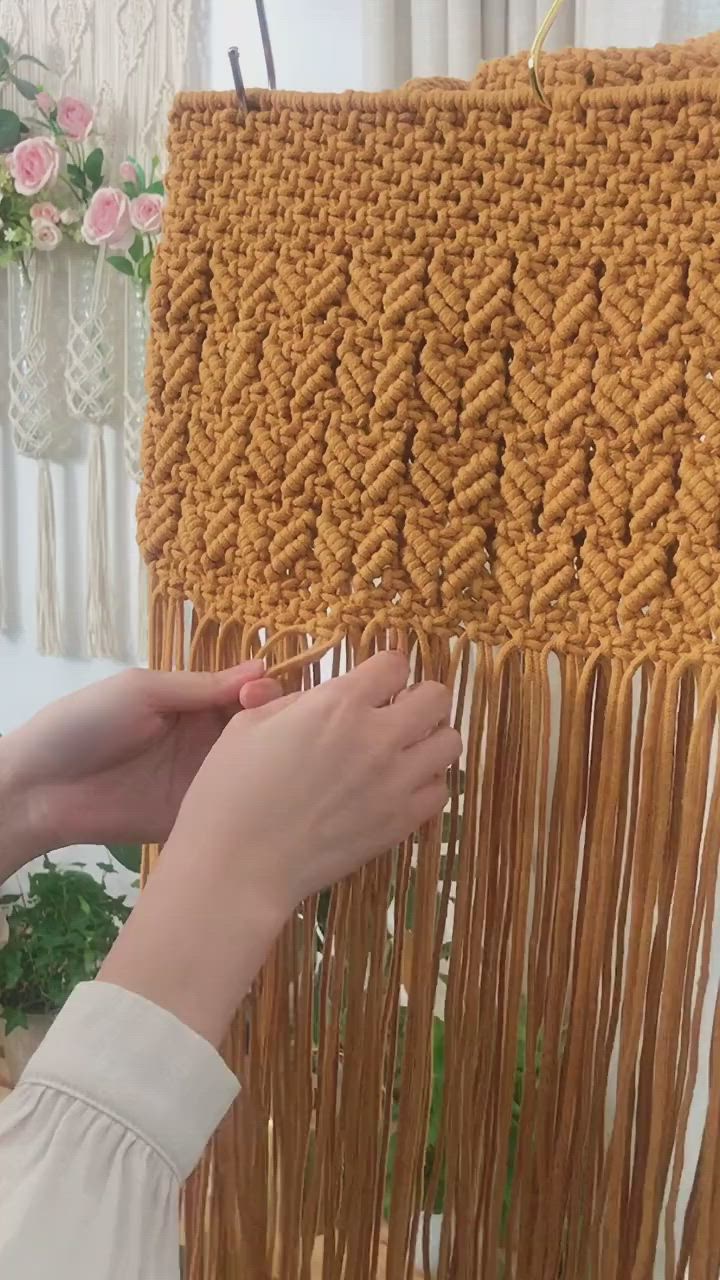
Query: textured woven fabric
x=440, y=369
x=439, y=356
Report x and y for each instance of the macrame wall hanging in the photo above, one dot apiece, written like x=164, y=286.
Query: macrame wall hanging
x=438, y=368
x=72, y=337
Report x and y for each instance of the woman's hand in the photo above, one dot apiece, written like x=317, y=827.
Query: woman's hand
x=291, y=798
x=112, y=763
x=298, y=794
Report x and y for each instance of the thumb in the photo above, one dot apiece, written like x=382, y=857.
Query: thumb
x=175, y=691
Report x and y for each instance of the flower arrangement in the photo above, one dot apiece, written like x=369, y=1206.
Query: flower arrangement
x=53, y=185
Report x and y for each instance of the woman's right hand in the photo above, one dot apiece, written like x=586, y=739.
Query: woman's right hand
x=298, y=794
x=291, y=798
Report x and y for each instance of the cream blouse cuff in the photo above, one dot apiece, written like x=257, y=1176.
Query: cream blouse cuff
x=111, y=1115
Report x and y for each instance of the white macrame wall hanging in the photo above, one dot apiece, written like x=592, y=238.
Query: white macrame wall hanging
x=31, y=419
x=127, y=59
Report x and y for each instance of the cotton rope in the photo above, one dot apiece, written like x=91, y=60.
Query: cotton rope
x=437, y=368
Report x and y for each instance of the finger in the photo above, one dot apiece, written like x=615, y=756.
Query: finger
x=378, y=679
x=419, y=710
x=429, y=802
x=432, y=757
x=258, y=693
x=275, y=707
x=175, y=691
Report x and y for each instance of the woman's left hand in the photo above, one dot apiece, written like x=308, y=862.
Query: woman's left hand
x=111, y=764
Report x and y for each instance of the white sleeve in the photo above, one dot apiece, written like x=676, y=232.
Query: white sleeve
x=110, y=1117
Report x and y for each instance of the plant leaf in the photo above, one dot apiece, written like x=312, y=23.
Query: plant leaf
x=28, y=57
x=10, y=130
x=145, y=267
x=7, y=899
x=157, y=188
x=24, y=87
x=14, y=1018
x=4, y=48
x=93, y=168
x=126, y=268
x=137, y=248
x=77, y=175
x=107, y=867
x=129, y=855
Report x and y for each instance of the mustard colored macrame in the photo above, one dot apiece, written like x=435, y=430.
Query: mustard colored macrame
x=439, y=369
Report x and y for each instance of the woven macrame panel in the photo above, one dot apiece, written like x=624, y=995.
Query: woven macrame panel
x=440, y=369
x=445, y=359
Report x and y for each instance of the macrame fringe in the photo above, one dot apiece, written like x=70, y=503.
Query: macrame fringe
x=142, y=612
x=47, y=610
x=575, y=871
x=99, y=613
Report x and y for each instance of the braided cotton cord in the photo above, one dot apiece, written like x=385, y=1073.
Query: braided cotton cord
x=31, y=420
x=89, y=395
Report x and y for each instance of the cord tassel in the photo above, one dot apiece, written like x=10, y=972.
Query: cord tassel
x=47, y=611
x=99, y=626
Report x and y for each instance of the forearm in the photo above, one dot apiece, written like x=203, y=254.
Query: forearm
x=22, y=828
x=195, y=941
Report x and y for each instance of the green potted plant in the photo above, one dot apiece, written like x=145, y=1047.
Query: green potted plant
x=59, y=934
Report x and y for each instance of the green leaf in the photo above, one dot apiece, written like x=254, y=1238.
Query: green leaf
x=10, y=130
x=129, y=855
x=126, y=268
x=84, y=907
x=14, y=1018
x=93, y=168
x=137, y=249
x=145, y=267
x=107, y=867
x=7, y=899
x=24, y=87
x=76, y=175
x=157, y=188
x=28, y=57
x=5, y=48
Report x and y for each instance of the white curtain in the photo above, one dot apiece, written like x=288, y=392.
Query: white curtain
x=409, y=38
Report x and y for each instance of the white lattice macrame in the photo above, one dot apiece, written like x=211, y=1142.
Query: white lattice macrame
x=29, y=414
x=89, y=396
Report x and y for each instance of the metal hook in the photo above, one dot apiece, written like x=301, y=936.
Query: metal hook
x=234, y=58
x=537, y=48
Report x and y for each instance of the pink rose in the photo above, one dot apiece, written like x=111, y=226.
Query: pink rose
x=75, y=118
x=107, y=221
x=128, y=172
x=46, y=211
x=69, y=216
x=44, y=102
x=45, y=234
x=146, y=213
x=34, y=164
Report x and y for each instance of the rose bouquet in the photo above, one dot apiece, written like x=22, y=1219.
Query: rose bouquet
x=53, y=185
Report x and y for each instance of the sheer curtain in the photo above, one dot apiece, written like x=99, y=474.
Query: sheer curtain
x=405, y=38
